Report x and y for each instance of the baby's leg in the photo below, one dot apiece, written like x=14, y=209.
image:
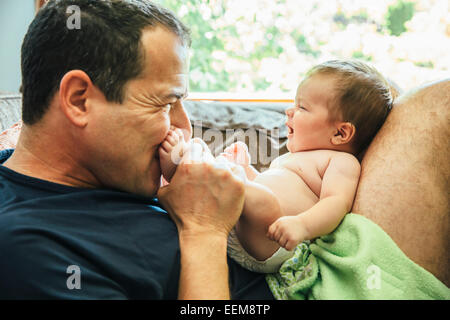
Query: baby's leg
x=261, y=209
x=171, y=152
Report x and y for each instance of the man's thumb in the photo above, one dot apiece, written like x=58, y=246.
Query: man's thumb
x=161, y=192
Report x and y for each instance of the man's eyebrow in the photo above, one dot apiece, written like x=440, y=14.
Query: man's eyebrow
x=178, y=96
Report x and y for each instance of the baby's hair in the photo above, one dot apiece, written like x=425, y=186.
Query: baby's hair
x=362, y=96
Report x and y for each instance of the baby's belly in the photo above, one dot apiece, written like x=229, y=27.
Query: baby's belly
x=293, y=193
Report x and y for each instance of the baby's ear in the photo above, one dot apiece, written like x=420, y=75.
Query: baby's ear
x=344, y=134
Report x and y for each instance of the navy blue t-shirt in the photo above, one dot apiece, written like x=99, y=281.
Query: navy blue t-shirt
x=61, y=242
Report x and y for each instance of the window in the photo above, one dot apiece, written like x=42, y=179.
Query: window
x=264, y=47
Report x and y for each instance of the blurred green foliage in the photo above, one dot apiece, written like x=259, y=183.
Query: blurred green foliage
x=207, y=76
x=361, y=56
x=203, y=46
x=397, y=15
x=425, y=64
x=238, y=48
x=303, y=45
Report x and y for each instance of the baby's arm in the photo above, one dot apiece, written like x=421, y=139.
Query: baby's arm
x=338, y=191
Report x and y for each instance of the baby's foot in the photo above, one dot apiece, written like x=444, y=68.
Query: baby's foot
x=170, y=153
x=238, y=154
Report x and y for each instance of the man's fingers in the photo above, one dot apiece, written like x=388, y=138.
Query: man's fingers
x=200, y=151
x=239, y=172
x=202, y=143
x=194, y=153
x=179, y=133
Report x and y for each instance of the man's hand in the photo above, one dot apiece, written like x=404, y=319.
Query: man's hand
x=201, y=197
x=288, y=231
x=205, y=201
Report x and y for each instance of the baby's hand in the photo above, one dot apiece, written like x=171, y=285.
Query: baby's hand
x=288, y=231
x=237, y=153
x=170, y=152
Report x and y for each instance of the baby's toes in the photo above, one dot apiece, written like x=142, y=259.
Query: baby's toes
x=240, y=147
x=171, y=139
x=227, y=156
x=229, y=149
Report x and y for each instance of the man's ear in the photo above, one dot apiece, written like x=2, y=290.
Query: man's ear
x=344, y=133
x=74, y=90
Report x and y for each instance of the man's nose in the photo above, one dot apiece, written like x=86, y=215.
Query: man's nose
x=180, y=119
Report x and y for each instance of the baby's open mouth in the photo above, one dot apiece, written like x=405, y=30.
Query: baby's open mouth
x=290, y=130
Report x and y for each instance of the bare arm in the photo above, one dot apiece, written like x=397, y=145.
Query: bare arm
x=205, y=203
x=339, y=185
x=204, y=268
x=338, y=190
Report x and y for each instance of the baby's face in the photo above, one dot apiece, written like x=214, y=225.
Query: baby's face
x=309, y=125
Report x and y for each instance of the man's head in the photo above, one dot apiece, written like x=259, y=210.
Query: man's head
x=347, y=101
x=106, y=94
x=107, y=46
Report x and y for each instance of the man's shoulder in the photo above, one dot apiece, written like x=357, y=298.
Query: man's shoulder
x=123, y=245
x=87, y=214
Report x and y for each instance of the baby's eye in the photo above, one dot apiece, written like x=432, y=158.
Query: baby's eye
x=302, y=107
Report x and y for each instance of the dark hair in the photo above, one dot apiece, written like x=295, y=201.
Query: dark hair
x=107, y=46
x=362, y=96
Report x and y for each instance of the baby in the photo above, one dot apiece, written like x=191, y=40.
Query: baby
x=339, y=108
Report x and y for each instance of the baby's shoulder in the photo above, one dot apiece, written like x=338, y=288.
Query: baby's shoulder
x=314, y=158
x=301, y=158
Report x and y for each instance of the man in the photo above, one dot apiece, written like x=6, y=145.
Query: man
x=75, y=216
x=405, y=178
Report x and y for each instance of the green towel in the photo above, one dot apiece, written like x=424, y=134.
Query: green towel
x=357, y=261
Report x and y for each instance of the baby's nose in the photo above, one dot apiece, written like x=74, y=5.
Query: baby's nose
x=289, y=112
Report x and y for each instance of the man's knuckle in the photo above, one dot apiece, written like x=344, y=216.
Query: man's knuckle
x=225, y=174
x=206, y=167
x=240, y=184
x=184, y=168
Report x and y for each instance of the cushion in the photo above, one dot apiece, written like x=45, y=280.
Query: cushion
x=259, y=125
x=9, y=137
x=10, y=110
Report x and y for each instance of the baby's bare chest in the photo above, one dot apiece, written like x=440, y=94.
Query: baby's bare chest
x=309, y=166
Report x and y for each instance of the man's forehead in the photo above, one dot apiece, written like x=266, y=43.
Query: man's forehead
x=164, y=51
